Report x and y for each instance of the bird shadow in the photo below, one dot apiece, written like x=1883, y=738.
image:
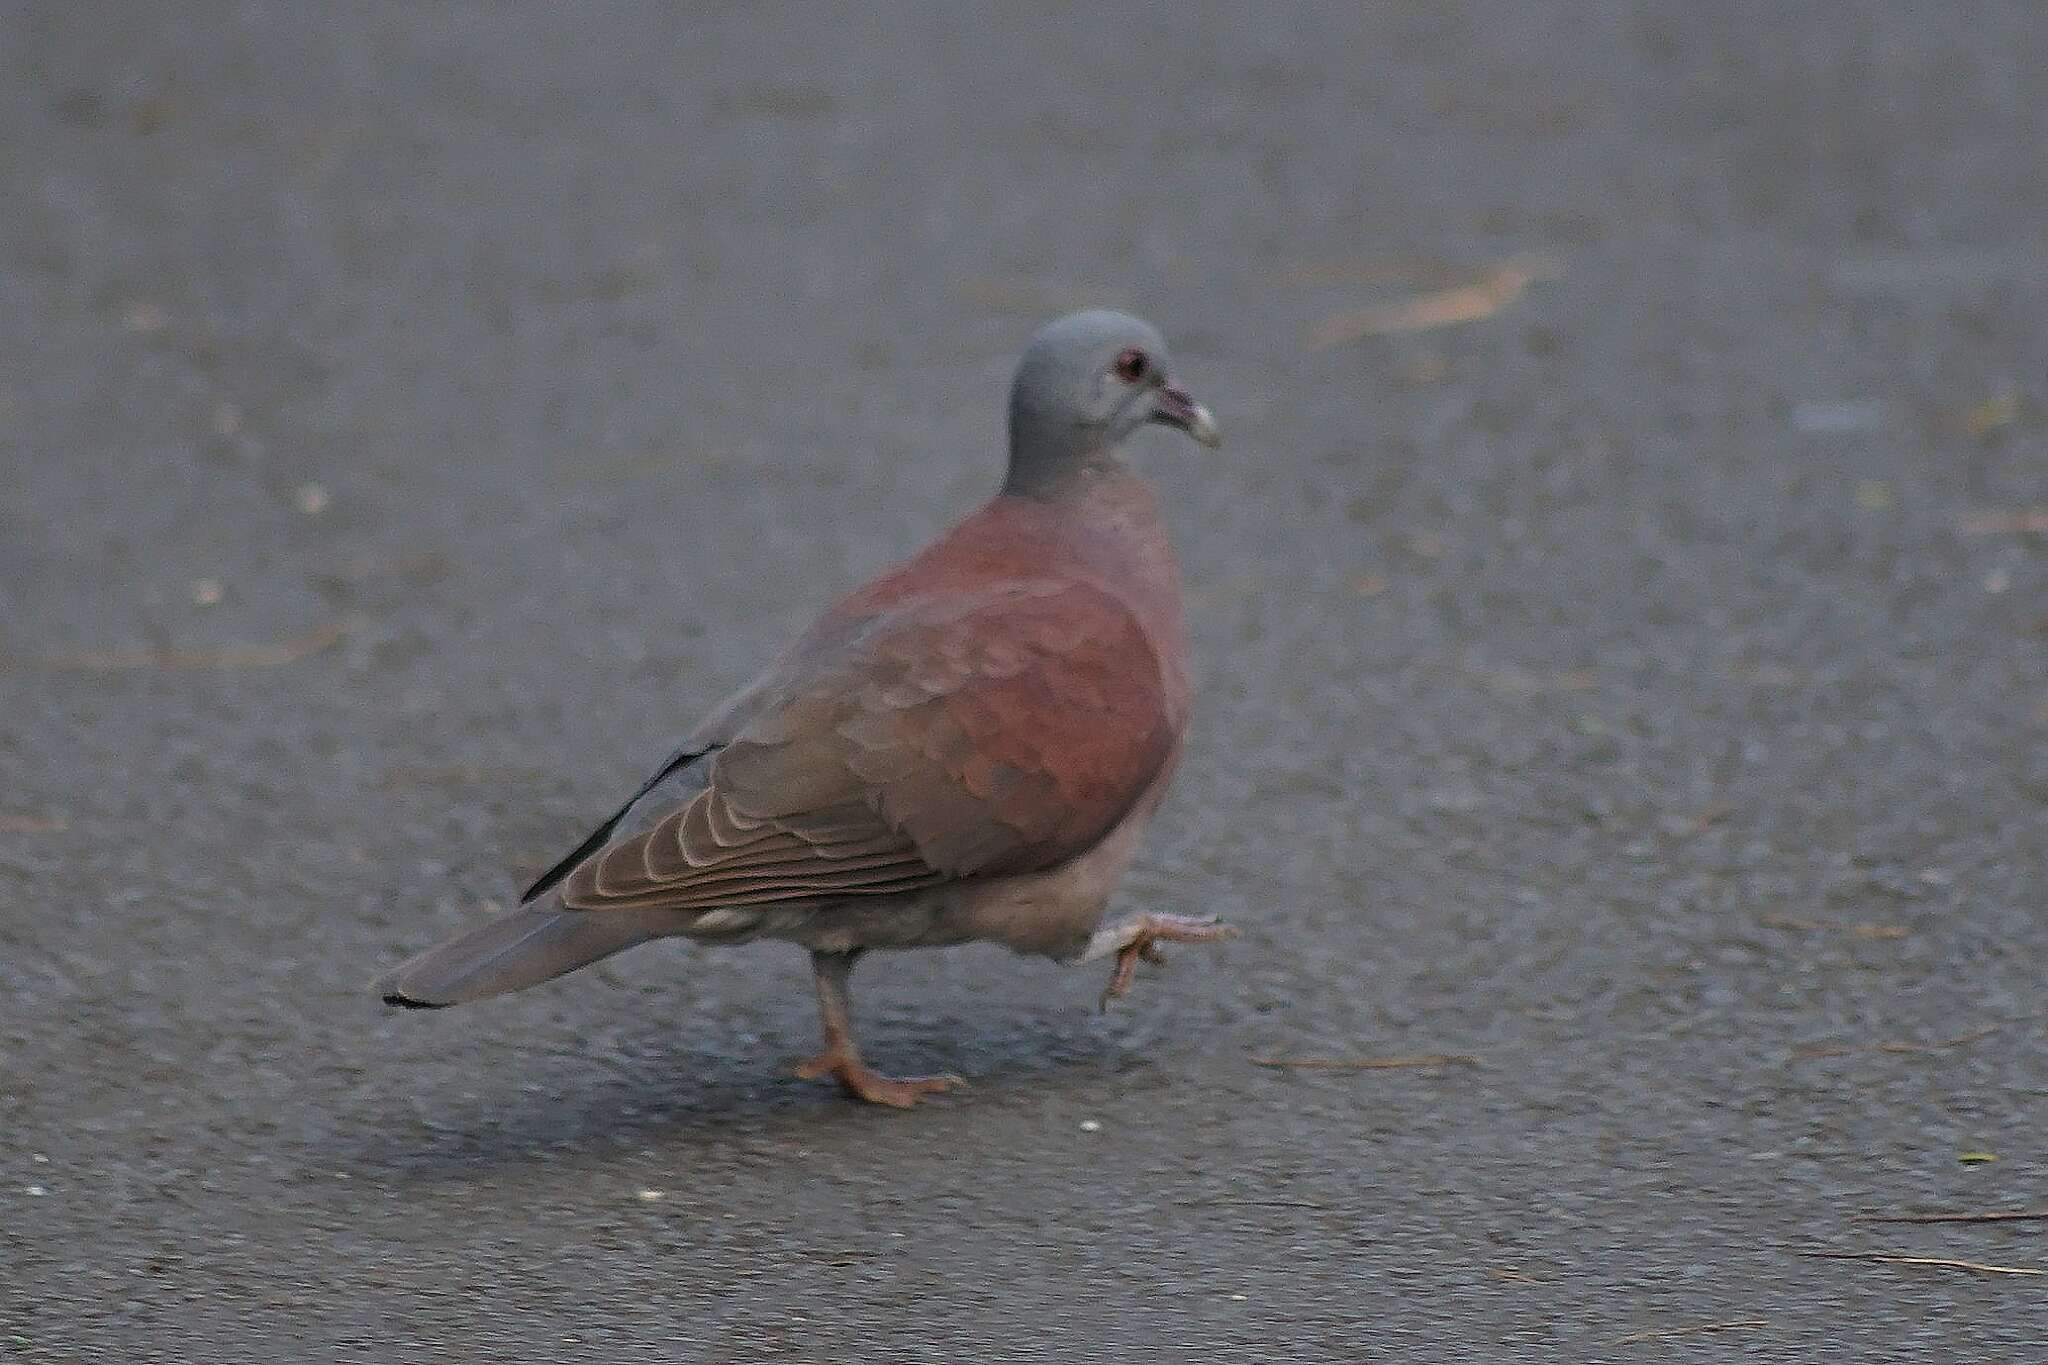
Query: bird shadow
x=644, y=1094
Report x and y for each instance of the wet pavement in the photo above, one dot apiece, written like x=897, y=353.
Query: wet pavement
x=1619, y=624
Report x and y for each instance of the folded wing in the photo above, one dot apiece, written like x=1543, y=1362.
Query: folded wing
x=1001, y=734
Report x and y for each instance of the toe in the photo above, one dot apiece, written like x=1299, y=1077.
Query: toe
x=900, y=1092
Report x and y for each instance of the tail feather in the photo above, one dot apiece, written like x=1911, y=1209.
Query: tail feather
x=521, y=948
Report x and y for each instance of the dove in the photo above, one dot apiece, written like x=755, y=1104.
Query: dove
x=966, y=749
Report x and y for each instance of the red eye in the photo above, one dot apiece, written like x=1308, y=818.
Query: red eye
x=1130, y=365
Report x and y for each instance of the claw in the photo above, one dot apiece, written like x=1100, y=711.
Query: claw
x=1146, y=933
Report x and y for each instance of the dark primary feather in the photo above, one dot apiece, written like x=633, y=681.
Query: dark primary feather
x=603, y=833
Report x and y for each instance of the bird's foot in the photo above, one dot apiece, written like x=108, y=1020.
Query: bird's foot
x=865, y=1083
x=1138, y=939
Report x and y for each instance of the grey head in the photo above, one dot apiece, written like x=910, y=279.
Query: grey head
x=1086, y=382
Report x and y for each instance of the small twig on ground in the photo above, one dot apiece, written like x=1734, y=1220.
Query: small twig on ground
x=1859, y=929
x=33, y=824
x=1944, y=1262
x=1811, y=1050
x=235, y=656
x=1993, y=1216
x=1698, y=1330
x=1846, y=1049
x=2031, y=521
x=1425, y=1059
x=1494, y=289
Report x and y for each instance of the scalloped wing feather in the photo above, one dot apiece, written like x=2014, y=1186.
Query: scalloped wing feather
x=1001, y=733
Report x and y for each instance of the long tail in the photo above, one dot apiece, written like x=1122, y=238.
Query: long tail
x=524, y=947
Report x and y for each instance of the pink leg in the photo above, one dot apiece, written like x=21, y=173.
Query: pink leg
x=841, y=1057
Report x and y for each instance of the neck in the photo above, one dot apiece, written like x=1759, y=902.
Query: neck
x=1049, y=465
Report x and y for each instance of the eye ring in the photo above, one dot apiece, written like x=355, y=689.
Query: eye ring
x=1131, y=365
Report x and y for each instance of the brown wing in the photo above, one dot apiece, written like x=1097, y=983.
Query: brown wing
x=999, y=735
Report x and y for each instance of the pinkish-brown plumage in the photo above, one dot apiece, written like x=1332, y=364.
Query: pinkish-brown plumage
x=966, y=748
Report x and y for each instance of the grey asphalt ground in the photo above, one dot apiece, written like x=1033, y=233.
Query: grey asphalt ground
x=1637, y=687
